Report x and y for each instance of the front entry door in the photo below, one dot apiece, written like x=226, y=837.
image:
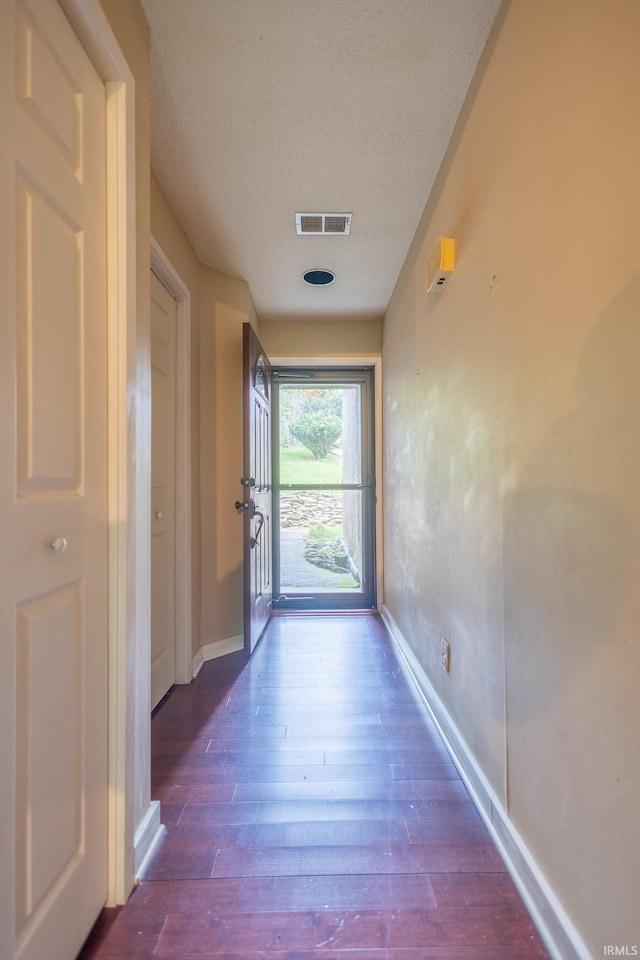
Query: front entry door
x=54, y=666
x=256, y=480
x=324, y=483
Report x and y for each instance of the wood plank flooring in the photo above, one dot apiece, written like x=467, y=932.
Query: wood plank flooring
x=313, y=813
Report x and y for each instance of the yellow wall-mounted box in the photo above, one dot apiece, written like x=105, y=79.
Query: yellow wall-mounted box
x=441, y=263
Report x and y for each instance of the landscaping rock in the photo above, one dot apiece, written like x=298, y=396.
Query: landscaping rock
x=305, y=510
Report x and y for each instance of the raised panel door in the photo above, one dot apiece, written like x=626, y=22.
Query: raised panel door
x=53, y=488
x=163, y=490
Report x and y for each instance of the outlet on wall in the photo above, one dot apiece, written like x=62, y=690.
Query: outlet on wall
x=445, y=655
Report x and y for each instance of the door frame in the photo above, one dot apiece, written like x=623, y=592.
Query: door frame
x=168, y=275
x=128, y=474
x=363, y=596
x=357, y=361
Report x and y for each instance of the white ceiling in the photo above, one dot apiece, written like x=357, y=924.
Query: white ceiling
x=265, y=108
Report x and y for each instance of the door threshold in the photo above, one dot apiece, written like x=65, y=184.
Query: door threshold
x=325, y=613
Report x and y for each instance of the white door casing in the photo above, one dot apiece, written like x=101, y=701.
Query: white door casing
x=53, y=488
x=163, y=490
x=171, y=279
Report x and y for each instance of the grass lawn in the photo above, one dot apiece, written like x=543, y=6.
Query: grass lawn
x=298, y=466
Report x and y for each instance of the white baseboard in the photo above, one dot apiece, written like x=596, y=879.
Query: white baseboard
x=147, y=837
x=556, y=929
x=218, y=648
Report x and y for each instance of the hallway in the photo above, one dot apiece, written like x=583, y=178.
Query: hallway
x=313, y=813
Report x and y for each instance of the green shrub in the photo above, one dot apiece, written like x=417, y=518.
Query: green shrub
x=318, y=432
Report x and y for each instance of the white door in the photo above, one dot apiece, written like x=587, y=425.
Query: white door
x=53, y=487
x=163, y=490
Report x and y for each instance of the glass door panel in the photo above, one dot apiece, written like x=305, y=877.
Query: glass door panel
x=323, y=489
x=316, y=551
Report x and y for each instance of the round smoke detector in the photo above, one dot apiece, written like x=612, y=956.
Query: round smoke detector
x=318, y=277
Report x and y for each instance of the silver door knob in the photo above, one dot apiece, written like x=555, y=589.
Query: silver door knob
x=59, y=545
x=158, y=514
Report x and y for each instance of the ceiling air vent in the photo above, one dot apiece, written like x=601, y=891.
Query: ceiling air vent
x=323, y=224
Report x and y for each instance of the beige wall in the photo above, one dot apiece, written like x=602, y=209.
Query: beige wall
x=226, y=305
x=330, y=338
x=512, y=466
x=169, y=234
x=220, y=305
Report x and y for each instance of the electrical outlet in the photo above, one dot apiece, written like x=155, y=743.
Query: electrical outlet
x=445, y=655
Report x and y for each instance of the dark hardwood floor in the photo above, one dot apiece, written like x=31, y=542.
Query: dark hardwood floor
x=313, y=813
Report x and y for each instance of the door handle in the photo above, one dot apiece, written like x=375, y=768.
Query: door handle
x=241, y=505
x=254, y=540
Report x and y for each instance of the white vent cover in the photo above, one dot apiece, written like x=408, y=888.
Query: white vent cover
x=323, y=224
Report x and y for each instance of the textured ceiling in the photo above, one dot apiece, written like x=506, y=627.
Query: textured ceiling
x=265, y=108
